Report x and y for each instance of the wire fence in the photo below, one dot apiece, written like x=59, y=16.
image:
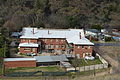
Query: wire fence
x=36, y=73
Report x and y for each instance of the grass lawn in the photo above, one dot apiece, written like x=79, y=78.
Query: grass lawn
x=33, y=69
x=82, y=62
x=68, y=77
x=92, y=62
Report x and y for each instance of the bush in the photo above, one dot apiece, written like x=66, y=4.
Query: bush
x=108, y=39
x=96, y=26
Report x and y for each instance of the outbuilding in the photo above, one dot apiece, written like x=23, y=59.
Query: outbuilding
x=19, y=62
x=50, y=60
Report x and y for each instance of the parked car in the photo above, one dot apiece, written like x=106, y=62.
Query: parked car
x=89, y=58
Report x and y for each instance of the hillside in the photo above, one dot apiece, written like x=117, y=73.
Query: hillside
x=15, y=14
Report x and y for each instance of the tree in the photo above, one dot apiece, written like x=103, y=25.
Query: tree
x=57, y=21
x=40, y=4
x=65, y=3
x=1, y=22
x=4, y=47
x=98, y=27
x=47, y=8
x=1, y=52
x=2, y=41
x=72, y=22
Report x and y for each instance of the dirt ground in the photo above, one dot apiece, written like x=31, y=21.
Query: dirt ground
x=112, y=55
x=102, y=77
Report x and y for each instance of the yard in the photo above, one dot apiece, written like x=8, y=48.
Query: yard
x=32, y=69
x=83, y=62
x=77, y=76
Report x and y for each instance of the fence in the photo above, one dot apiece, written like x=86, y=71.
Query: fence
x=93, y=67
x=35, y=74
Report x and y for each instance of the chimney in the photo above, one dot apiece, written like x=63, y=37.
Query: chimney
x=80, y=35
x=33, y=31
x=84, y=32
x=48, y=32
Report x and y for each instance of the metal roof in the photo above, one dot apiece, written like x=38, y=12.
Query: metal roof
x=19, y=59
x=71, y=35
x=50, y=58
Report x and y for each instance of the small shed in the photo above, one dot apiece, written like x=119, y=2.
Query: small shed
x=49, y=60
x=19, y=62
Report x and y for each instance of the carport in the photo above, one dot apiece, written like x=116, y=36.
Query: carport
x=49, y=60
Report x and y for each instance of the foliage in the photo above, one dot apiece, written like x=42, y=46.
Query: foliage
x=39, y=4
x=98, y=27
x=4, y=50
x=72, y=21
x=65, y=3
x=108, y=39
x=76, y=13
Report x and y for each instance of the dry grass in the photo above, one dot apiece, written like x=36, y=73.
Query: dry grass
x=112, y=55
x=105, y=77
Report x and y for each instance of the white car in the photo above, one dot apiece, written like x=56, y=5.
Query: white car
x=89, y=58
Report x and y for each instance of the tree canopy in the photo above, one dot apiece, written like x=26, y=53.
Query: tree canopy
x=15, y=14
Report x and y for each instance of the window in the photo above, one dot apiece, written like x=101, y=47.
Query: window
x=33, y=49
x=52, y=46
x=78, y=46
x=82, y=46
x=87, y=54
x=46, y=46
x=51, y=40
x=60, y=46
x=49, y=46
x=57, y=46
x=56, y=40
x=45, y=40
x=89, y=47
x=42, y=40
x=29, y=40
x=23, y=39
x=26, y=49
x=63, y=46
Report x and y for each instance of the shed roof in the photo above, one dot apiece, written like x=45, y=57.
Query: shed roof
x=50, y=58
x=19, y=59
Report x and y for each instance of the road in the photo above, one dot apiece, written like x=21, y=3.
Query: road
x=107, y=44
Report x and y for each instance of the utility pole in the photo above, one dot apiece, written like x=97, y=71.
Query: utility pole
x=94, y=69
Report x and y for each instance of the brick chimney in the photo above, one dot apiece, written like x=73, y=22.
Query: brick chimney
x=33, y=31
x=80, y=35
